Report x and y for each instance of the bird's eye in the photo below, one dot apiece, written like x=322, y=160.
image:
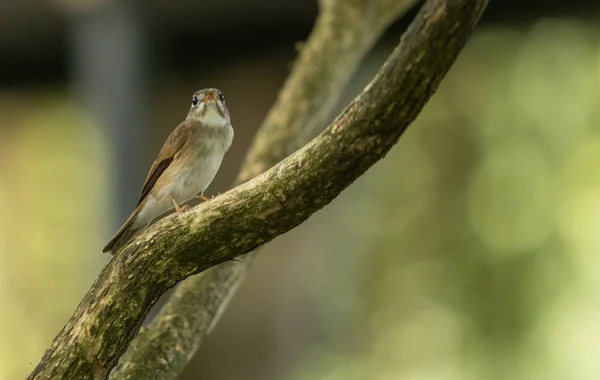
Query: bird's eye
x=221, y=97
x=194, y=101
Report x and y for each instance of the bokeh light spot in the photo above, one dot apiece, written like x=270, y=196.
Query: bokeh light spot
x=510, y=199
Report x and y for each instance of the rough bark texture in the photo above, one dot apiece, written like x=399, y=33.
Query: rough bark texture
x=343, y=33
x=257, y=211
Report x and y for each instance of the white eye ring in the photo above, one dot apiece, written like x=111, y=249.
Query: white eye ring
x=194, y=101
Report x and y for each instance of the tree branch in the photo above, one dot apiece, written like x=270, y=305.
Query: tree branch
x=257, y=211
x=344, y=32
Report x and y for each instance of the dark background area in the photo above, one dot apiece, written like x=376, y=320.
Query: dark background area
x=35, y=34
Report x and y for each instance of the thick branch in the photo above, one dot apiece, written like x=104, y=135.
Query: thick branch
x=344, y=32
x=259, y=210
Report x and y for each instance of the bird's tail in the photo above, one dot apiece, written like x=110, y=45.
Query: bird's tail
x=124, y=234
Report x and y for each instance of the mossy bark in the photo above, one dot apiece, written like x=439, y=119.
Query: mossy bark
x=343, y=34
x=260, y=209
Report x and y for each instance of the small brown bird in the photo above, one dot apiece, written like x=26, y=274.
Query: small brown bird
x=185, y=166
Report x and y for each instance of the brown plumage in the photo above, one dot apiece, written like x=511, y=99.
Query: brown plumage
x=124, y=234
x=185, y=165
x=165, y=157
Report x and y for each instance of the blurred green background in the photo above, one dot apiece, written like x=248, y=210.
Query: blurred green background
x=470, y=252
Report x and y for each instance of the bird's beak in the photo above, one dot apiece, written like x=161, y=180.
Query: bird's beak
x=210, y=96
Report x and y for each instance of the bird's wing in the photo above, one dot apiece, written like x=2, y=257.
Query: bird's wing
x=166, y=156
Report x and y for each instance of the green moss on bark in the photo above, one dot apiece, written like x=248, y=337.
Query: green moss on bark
x=257, y=211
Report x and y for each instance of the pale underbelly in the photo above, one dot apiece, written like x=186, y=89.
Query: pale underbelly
x=185, y=186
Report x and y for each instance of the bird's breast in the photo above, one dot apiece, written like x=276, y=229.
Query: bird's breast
x=190, y=173
x=195, y=177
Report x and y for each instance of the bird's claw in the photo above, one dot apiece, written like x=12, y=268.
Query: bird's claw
x=204, y=198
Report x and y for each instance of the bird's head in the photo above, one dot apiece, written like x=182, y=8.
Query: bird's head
x=208, y=107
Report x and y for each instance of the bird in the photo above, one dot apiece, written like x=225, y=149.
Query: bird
x=185, y=166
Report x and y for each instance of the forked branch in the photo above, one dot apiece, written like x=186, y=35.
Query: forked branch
x=272, y=203
x=344, y=32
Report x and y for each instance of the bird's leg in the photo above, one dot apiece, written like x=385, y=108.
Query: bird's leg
x=177, y=207
x=201, y=196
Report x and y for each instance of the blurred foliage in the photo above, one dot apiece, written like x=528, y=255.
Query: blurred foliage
x=480, y=232
x=52, y=208
x=470, y=252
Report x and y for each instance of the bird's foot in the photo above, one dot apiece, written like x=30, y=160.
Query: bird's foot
x=201, y=196
x=179, y=208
